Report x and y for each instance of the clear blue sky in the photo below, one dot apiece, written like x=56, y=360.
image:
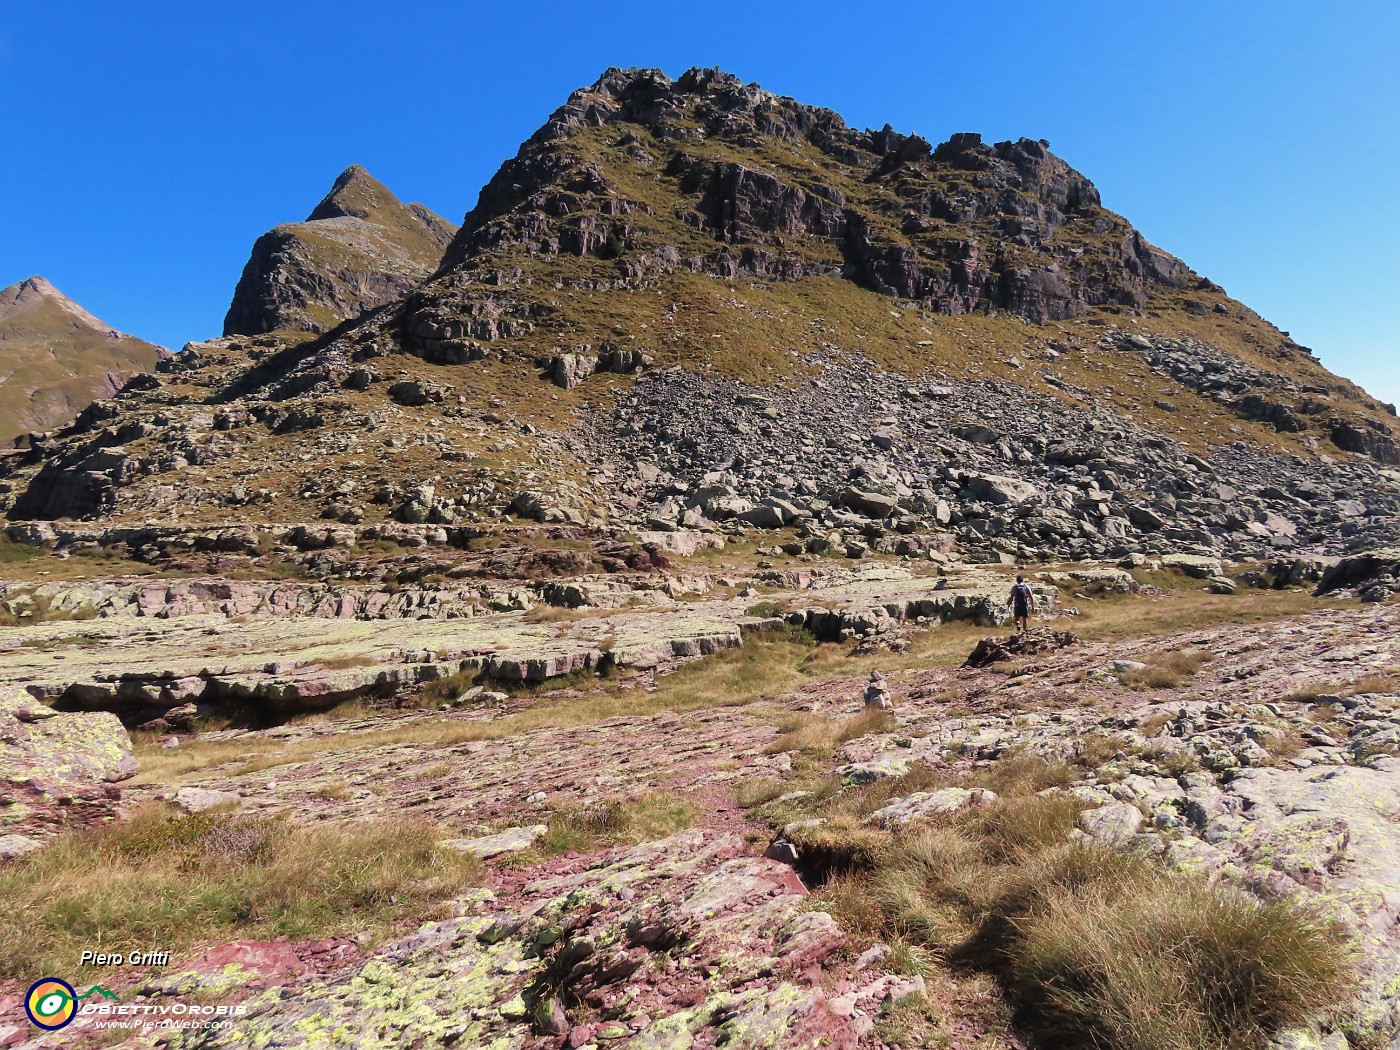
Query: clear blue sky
x=145, y=145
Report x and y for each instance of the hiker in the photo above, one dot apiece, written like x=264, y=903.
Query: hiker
x=1022, y=602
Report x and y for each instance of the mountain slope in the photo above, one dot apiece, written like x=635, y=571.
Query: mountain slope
x=55, y=358
x=358, y=249
x=693, y=304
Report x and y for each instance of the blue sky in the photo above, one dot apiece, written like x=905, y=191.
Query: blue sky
x=147, y=144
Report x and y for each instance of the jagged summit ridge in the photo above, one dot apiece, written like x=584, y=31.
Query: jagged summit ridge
x=358, y=249
x=650, y=176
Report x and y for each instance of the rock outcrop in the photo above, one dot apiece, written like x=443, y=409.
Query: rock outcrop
x=358, y=249
x=58, y=770
x=963, y=227
x=56, y=358
x=44, y=747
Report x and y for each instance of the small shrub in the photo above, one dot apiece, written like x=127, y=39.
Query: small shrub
x=1375, y=683
x=1024, y=773
x=1154, y=723
x=764, y=609
x=1095, y=749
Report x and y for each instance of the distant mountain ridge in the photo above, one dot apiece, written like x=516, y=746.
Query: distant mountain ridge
x=359, y=248
x=56, y=357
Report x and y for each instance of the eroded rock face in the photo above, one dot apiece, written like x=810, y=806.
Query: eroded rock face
x=684, y=941
x=1070, y=252
x=358, y=249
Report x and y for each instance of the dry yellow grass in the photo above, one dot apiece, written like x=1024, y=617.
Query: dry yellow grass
x=764, y=667
x=1166, y=670
x=819, y=734
x=1185, y=608
x=1095, y=947
x=170, y=880
x=615, y=821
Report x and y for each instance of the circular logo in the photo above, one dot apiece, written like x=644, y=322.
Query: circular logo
x=51, y=1003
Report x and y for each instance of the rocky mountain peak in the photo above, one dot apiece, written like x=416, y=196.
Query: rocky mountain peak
x=355, y=194
x=56, y=357
x=36, y=291
x=360, y=248
x=831, y=325
x=643, y=178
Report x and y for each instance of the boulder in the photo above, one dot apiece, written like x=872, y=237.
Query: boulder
x=1111, y=825
x=1197, y=566
x=1146, y=518
x=929, y=804
x=1033, y=642
x=12, y=846
x=512, y=840
x=197, y=800
x=47, y=749
x=998, y=489
x=569, y=370
x=1357, y=571
x=878, y=769
x=415, y=392
x=869, y=502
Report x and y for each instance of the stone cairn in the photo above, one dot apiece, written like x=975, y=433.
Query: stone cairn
x=877, y=694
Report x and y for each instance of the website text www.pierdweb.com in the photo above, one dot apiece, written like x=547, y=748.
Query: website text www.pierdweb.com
x=150, y=1016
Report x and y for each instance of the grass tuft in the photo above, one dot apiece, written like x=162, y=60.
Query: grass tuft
x=819, y=735
x=613, y=821
x=175, y=880
x=1093, y=947
x=1166, y=670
